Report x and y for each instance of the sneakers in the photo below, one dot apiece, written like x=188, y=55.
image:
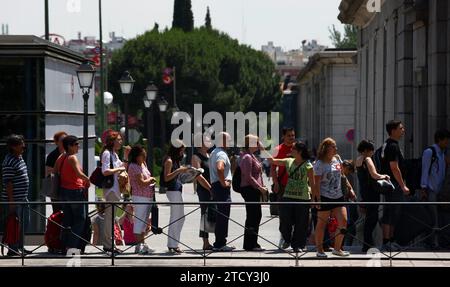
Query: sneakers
x=297, y=250
x=281, y=243
x=340, y=253
x=321, y=255
x=258, y=249
x=224, y=249
x=137, y=248
x=145, y=249
x=285, y=245
x=391, y=247
x=175, y=251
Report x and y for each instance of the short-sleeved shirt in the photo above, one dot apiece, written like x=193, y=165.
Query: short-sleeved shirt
x=134, y=173
x=217, y=155
x=392, y=153
x=52, y=157
x=106, y=161
x=297, y=186
x=330, y=183
x=14, y=169
x=282, y=151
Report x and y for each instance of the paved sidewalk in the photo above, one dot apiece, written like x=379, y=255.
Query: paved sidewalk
x=194, y=256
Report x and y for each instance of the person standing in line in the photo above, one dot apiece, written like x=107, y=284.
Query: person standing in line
x=200, y=159
x=111, y=165
x=220, y=173
x=278, y=173
x=73, y=186
x=294, y=219
x=143, y=186
x=367, y=173
x=172, y=168
x=327, y=189
x=51, y=160
x=393, y=164
x=252, y=189
x=16, y=184
x=433, y=177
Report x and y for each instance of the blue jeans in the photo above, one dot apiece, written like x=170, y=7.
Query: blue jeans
x=74, y=219
x=221, y=194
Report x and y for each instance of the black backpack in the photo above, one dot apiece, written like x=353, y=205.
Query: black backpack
x=413, y=170
x=378, y=156
x=236, y=181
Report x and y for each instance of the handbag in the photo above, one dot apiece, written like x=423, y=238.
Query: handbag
x=97, y=177
x=108, y=181
x=50, y=184
x=383, y=186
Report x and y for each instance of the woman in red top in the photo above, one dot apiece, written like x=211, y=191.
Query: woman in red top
x=73, y=183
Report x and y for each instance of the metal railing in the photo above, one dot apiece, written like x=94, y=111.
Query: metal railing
x=210, y=255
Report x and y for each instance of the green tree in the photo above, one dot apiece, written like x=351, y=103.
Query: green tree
x=188, y=24
x=212, y=69
x=208, y=24
x=183, y=18
x=178, y=14
x=348, y=41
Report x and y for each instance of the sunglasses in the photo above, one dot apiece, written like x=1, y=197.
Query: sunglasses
x=76, y=144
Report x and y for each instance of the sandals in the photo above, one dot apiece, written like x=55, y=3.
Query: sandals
x=175, y=250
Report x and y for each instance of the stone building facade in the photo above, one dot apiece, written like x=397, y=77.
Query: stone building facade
x=403, y=68
x=326, y=99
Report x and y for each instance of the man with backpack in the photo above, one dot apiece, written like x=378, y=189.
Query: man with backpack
x=393, y=164
x=433, y=175
x=15, y=188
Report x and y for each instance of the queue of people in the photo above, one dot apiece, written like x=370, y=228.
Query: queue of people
x=314, y=190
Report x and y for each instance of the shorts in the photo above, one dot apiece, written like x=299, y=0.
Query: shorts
x=330, y=207
x=392, y=213
x=141, y=213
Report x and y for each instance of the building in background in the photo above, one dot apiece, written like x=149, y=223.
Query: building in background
x=39, y=96
x=403, y=68
x=325, y=104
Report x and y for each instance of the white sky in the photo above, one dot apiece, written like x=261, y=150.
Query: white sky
x=253, y=22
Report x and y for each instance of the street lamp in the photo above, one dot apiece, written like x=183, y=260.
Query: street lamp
x=151, y=92
x=85, y=75
x=126, y=87
x=163, y=104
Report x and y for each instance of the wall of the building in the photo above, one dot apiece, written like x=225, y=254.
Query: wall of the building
x=403, y=66
x=64, y=96
x=326, y=106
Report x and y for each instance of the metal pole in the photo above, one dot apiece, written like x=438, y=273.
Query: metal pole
x=126, y=121
x=117, y=117
x=85, y=134
x=174, y=86
x=163, y=130
x=102, y=89
x=113, y=206
x=22, y=229
x=149, y=140
x=152, y=137
x=47, y=33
